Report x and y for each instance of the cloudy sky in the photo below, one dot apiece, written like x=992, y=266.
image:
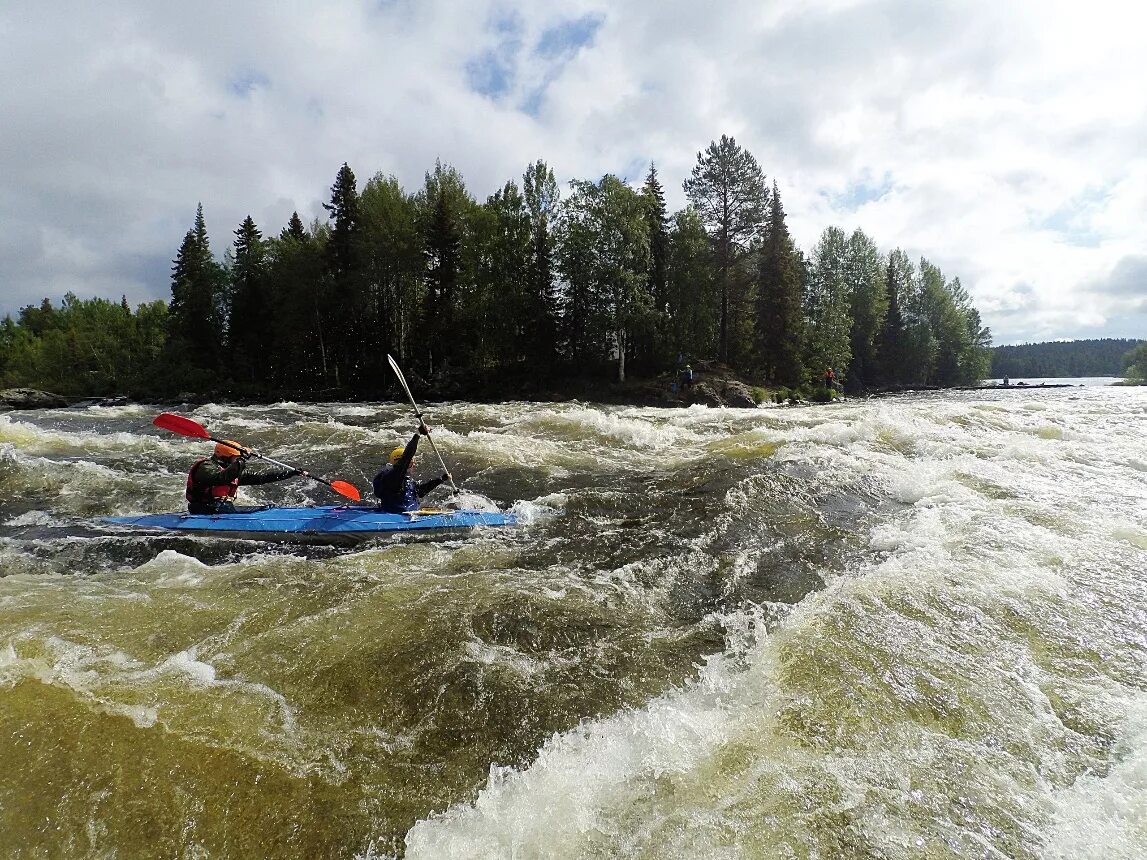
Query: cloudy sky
x=1005, y=140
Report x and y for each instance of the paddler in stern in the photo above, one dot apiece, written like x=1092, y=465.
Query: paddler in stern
x=213, y=481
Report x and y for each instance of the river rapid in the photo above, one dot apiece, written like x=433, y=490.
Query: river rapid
x=904, y=627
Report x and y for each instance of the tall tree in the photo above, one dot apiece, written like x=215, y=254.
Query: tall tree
x=299, y=360
x=447, y=212
x=727, y=187
x=692, y=302
x=393, y=265
x=502, y=302
x=345, y=318
x=198, y=290
x=251, y=305
x=605, y=255
x=658, y=221
x=891, y=345
x=868, y=307
x=827, y=305
x=780, y=293
x=539, y=326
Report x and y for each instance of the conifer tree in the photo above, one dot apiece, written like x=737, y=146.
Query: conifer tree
x=447, y=211
x=197, y=314
x=658, y=221
x=727, y=187
x=344, y=320
x=250, y=324
x=890, y=344
x=780, y=288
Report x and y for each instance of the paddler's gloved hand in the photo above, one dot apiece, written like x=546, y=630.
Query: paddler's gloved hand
x=423, y=429
x=446, y=477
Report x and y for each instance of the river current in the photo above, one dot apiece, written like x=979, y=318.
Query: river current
x=902, y=627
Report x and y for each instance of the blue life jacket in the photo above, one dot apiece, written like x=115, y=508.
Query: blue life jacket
x=395, y=503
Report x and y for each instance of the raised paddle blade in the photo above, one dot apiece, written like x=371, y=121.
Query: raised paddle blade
x=345, y=489
x=182, y=426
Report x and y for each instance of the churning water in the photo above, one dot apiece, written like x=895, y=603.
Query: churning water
x=906, y=627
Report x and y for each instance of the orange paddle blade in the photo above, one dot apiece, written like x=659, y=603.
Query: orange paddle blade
x=346, y=489
x=182, y=426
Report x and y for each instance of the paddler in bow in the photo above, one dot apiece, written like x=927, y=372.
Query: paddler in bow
x=213, y=481
x=395, y=486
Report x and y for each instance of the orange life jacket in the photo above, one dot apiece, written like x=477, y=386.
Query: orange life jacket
x=212, y=493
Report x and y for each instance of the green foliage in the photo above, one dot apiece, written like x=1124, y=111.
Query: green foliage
x=1103, y=357
x=92, y=347
x=605, y=261
x=524, y=285
x=727, y=188
x=198, y=309
x=1135, y=364
x=827, y=303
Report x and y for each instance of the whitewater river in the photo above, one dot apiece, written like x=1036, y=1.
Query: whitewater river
x=906, y=627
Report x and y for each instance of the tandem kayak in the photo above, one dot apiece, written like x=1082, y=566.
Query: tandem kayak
x=338, y=524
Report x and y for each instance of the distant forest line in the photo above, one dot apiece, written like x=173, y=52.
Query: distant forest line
x=530, y=286
x=1058, y=359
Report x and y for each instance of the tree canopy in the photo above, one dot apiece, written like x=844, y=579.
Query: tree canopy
x=602, y=281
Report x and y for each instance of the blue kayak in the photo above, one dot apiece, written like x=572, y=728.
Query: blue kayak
x=339, y=524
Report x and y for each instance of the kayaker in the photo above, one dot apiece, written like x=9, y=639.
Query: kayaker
x=395, y=486
x=213, y=481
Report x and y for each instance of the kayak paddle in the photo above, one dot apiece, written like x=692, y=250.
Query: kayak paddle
x=187, y=427
x=402, y=379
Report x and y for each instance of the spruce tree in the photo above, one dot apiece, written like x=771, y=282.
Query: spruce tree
x=197, y=315
x=658, y=225
x=250, y=326
x=346, y=308
x=780, y=287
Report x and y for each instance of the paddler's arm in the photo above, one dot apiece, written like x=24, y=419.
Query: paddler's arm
x=248, y=480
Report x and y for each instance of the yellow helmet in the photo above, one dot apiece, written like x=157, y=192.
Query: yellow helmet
x=396, y=455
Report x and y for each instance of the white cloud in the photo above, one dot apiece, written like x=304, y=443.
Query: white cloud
x=1001, y=140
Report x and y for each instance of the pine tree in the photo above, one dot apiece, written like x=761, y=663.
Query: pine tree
x=780, y=288
x=727, y=187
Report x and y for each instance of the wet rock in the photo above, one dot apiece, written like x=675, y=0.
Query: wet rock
x=30, y=398
x=738, y=395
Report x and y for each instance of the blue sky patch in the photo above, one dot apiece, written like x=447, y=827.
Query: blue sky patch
x=247, y=81
x=493, y=72
x=565, y=38
x=857, y=194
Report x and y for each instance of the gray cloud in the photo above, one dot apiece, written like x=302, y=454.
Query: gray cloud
x=1002, y=141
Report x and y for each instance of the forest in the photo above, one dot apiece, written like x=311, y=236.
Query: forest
x=531, y=286
x=1101, y=357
